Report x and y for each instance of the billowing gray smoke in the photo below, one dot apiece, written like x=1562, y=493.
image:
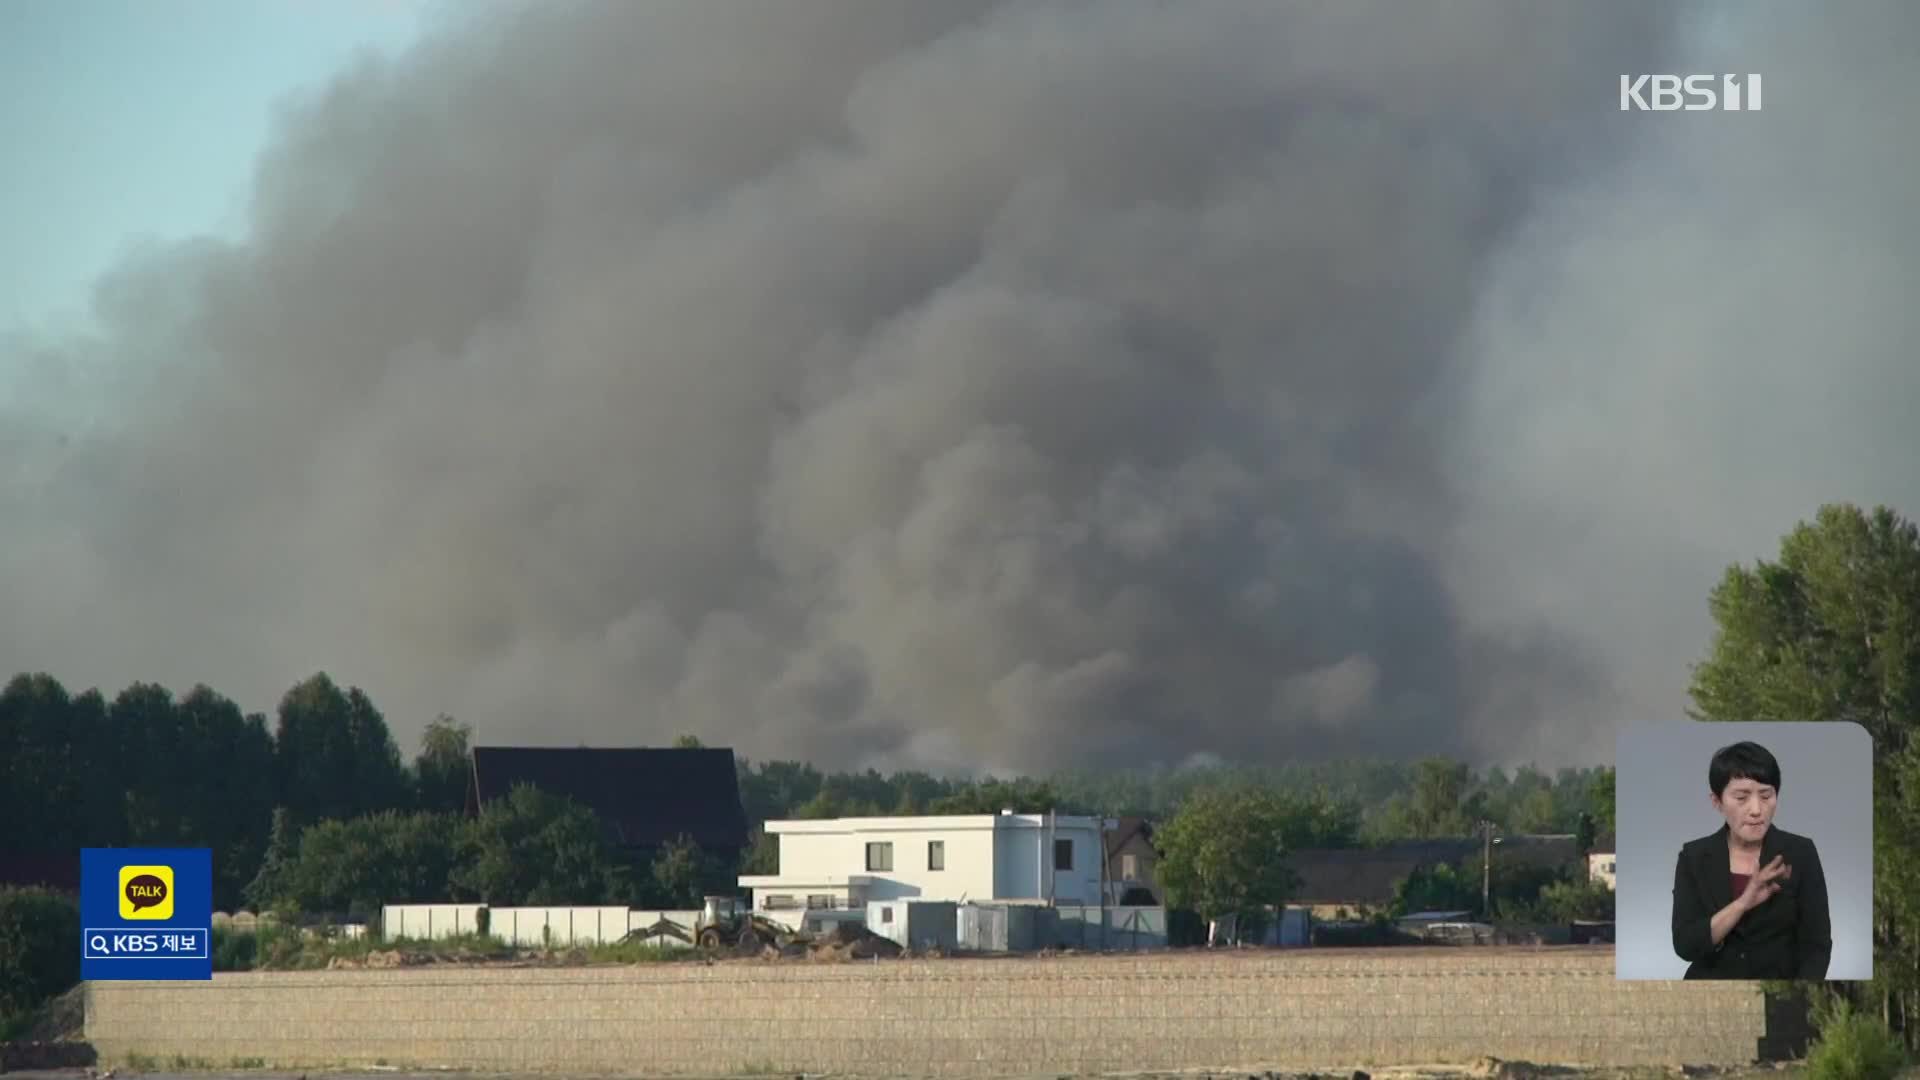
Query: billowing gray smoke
x=1010, y=386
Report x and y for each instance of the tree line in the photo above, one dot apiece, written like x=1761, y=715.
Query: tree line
x=1378, y=801
x=319, y=811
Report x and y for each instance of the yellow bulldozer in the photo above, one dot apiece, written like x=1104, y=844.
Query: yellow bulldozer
x=727, y=922
x=724, y=922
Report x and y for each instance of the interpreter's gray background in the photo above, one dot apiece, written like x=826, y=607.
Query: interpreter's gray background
x=1662, y=800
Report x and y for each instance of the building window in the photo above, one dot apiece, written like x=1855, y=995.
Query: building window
x=778, y=902
x=886, y=914
x=1129, y=867
x=819, y=901
x=1063, y=854
x=880, y=855
x=936, y=854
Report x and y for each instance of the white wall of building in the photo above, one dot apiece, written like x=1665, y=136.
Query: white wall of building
x=1025, y=864
x=986, y=857
x=825, y=850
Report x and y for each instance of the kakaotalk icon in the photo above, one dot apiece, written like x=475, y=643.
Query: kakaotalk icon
x=146, y=892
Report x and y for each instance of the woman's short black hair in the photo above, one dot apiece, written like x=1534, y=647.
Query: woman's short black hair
x=1742, y=761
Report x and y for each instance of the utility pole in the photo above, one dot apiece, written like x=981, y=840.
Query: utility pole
x=1486, y=870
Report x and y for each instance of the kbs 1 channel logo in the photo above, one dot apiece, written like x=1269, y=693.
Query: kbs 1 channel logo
x=1690, y=93
x=146, y=913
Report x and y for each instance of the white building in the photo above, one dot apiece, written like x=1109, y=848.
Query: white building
x=1600, y=867
x=847, y=863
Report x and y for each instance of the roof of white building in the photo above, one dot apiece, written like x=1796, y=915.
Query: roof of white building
x=926, y=823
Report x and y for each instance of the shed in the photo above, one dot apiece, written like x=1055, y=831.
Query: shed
x=1004, y=927
x=916, y=924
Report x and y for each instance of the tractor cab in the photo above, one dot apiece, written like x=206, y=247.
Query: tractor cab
x=729, y=921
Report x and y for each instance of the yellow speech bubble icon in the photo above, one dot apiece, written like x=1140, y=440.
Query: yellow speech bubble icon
x=146, y=892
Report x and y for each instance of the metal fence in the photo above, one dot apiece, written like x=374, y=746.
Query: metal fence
x=1026, y=928
x=1113, y=928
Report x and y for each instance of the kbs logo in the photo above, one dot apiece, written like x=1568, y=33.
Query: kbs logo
x=146, y=892
x=1693, y=93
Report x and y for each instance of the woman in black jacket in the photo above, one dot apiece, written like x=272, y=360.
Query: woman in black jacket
x=1750, y=901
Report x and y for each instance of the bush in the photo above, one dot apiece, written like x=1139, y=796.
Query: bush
x=234, y=951
x=39, y=949
x=1854, y=1046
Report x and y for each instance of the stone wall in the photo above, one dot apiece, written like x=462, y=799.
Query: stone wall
x=1257, y=1010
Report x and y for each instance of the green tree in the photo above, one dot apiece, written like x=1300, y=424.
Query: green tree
x=1575, y=901
x=776, y=789
x=1536, y=813
x=762, y=855
x=441, y=771
x=353, y=867
x=77, y=772
x=97, y=814
x=1830, y=630
x=990, y=796
x=40, y=779
x=1436, y=887
x=1440, y=790
x=1586, y=833
x=1600, y=800
x=335, y=757
x=272, y=880
x=682, y=875
x=1853, y=1045
x=37, y=955
x=1224, y=853
x=224, y=766
x=689, y=742
x=824, y=804
x=537, y=848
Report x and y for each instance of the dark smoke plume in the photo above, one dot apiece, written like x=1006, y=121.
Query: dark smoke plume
x=1006, y=386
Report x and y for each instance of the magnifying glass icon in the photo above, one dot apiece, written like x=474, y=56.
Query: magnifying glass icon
x=98, y=943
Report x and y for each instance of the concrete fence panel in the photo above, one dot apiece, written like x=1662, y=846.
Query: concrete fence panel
x=558, y=927
x=428, y=922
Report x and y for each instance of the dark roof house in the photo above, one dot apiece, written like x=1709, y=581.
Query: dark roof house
x=645, y=796
x=1539, y=849
x=1131, y=863
x=1126, y=829
x=1367, y=876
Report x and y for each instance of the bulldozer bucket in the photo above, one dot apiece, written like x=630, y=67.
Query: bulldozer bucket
x=663, y=928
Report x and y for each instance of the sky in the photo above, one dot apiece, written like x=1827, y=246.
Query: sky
x=144, y=120
x=961, y=386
